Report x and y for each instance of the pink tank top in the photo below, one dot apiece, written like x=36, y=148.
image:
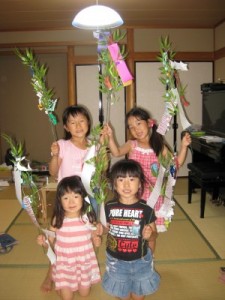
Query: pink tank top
x=72, y=159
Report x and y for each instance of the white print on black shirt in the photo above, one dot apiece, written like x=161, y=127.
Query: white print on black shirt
x=126, y=213
x=125, y=228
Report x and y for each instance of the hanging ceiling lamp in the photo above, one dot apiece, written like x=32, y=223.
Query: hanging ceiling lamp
x=97, y=17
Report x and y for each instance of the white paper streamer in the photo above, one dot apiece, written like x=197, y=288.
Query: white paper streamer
x=88, y=170
x=157, y=188
x=18, y=182
x=51, y=254
x=102, y=214
x=184, y=122
x=166, y=210
x=20, y=167
x=179, y=65
x=49, y=233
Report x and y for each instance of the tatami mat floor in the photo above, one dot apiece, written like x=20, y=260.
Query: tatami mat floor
x=187, y=260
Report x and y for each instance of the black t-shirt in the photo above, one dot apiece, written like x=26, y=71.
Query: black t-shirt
x=126, y=222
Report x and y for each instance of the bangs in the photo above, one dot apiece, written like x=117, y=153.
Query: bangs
x=71, y=184
x=127, y=170
x=124, y=168
x=70, y=189
x=139, y=114
x=77, y=110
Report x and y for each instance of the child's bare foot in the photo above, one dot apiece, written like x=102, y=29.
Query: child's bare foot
x=46, y=285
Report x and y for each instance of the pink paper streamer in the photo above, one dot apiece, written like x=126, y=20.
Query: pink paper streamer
x=28, y=208
x=121, y=66
x=164, y=123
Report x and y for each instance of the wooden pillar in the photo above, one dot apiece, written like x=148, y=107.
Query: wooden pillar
x=130, y=90
x=71, y=76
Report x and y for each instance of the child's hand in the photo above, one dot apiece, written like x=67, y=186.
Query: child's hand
x=97, y=241
x=96, y=235
x=99, y=229
x=107, y=131
x=55, y=149
x=186, y=139
x=147, y=232
x=41, y=240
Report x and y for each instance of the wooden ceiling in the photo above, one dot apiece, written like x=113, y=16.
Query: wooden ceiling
x=32, y=15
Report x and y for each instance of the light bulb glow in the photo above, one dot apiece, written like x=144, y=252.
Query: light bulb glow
x=97, y=17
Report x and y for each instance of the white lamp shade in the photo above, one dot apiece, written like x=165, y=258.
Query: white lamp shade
x=97, y=17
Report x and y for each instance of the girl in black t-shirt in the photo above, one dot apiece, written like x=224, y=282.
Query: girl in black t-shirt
x=131, y=235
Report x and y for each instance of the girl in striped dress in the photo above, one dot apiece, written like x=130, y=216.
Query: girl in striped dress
x=76, y=267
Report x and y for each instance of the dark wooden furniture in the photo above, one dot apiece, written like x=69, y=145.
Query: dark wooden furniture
x=207, y=169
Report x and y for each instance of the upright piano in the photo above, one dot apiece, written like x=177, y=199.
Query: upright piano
x=207, y=169
x=207, y=151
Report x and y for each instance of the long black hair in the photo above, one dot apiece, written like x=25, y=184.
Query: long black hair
x=127, y=167
x=75, y=110
x=156, y=140
x=70, y=184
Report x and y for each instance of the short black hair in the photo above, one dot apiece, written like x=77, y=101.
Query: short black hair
x=75, y=110
x=129, y=167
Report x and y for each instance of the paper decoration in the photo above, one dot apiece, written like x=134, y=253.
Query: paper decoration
x=49, y=233
x=50, y=254
x=18, y=182
x=88, y=170
x=184, y=122
x=19, y=166
x=164, y=124
x=151, y=201
x=178, y=66
x=102, y=214
x=173, y=87
x=113, y=71
x=121, y=66
x=27, y=206
x=166, y=211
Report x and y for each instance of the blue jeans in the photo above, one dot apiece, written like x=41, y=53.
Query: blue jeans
x=124, y=277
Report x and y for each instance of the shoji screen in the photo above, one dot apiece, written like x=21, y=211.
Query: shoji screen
x=149, y=91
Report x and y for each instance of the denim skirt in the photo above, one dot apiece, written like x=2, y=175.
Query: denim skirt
x=124, y=277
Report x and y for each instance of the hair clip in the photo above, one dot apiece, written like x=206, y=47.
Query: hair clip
x=152, y=122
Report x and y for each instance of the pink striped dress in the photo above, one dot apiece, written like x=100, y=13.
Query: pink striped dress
x=76, y=264
x=150, y=165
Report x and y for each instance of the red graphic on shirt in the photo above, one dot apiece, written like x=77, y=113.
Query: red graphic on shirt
x=124, y=223
x=127, y=246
